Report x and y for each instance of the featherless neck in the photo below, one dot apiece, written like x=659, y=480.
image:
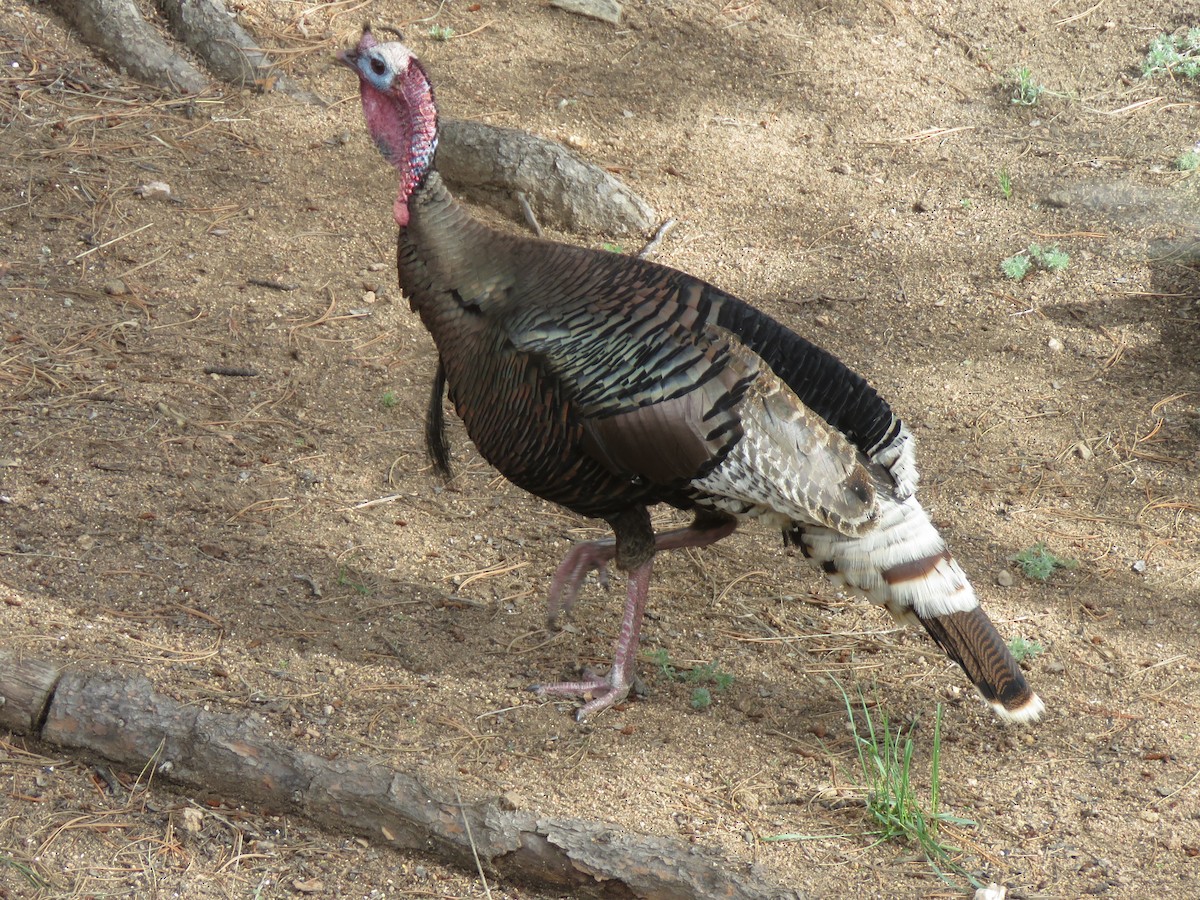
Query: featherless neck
x=407, y=134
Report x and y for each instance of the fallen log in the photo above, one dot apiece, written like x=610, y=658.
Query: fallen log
x=230, y=754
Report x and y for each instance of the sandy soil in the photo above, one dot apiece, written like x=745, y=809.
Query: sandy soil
x=836, y=165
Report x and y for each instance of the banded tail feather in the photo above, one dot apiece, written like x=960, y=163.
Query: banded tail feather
x=904, y=565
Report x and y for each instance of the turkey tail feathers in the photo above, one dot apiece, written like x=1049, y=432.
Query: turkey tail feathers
x=971, y=640
x=903, y=564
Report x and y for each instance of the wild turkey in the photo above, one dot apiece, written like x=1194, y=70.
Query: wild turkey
x=609, y=384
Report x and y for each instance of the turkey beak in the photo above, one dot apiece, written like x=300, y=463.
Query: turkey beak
x=348, y=58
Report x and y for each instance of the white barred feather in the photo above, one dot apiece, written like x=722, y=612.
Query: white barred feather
x=903, y=534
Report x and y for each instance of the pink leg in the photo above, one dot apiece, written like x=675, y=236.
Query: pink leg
x=564, y=589
x=582, y=558
x=614, y=688
x=569, y=575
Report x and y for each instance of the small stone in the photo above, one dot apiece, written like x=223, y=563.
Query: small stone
x=1083, y=451
x=842, y=168
x=992, y=892
x=368, y=297
x=1149, y=815
x=193, y=819
x=604, y=10
x=1054, y=345
x=1139, y=566
x=377, y=267
x=1054, y=666
x=153, y=190
x=1004, y=578
x=115, y=287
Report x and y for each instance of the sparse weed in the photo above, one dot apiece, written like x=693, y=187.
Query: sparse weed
x=701, y=676
x=1025, y=91
x=1022, y=649
x=27, y=872
x=1051, y=259
x=612, y=248
x=1188, y=162
x=1174, y=55
x=1016, y=267
x=1039, y=563
x=1005, y=180
x=344, y=580
x=388, y=399
x=441, y=32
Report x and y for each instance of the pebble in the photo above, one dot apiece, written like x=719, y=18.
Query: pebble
x=1139, y=566
x=1054, y=345
x=1083, y=451
x=1004, y=578
x=115, y=287
x=1149, y=815
x=153, y=190
x=604, y=10
x=992, y=892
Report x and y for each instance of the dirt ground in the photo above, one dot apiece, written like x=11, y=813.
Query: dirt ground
x=278, y=542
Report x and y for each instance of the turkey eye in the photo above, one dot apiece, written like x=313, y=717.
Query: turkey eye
x=377, y=66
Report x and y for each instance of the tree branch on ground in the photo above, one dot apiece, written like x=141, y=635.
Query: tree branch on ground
x=124, y=720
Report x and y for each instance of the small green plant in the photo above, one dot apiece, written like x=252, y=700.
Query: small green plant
x=662, y=659
x=612, y=248
x=885, y=763
x=441, y=32
x=1039, y=563
x=1022, y=649
x=27, y=872
x=1175, y=55
x=1025, y=91
x=1051, y=259
x=1005, y=180
x=1188, y=162
x=702, y=676
x=388, y=399
x=1016, y=267
x=344, y=580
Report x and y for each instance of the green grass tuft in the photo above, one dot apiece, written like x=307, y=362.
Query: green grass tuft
x=441, y=32
x=1005, y=180
x=1039, y=563
x=388, y=399
x=27, y=871
x=885, y=763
